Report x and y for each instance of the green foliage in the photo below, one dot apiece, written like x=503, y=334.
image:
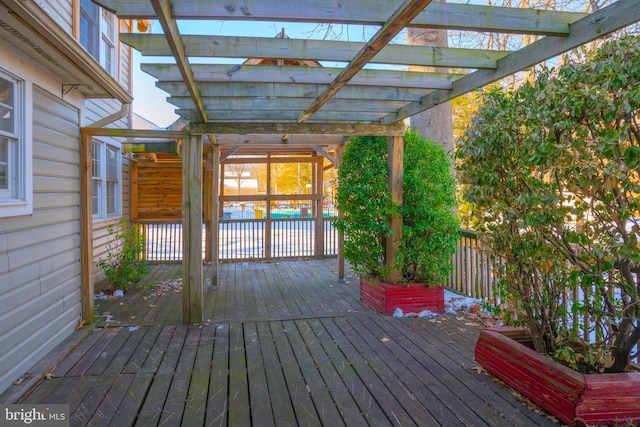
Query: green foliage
x=365, y=203
x=552, y=173
x=124, y=264
x=430, y=230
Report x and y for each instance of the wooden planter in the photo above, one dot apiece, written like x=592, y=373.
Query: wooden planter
x=385, y=298
x=572, y=397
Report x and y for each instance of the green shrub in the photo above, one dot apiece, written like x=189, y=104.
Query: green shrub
x=124, y=264
x=552, y=170
x=430, y=229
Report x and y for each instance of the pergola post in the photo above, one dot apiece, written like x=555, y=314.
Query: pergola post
x=192, y=292
x=338, y=155
x=214, y=231
x=86, y=229
x=318, y=208
x=396, y=155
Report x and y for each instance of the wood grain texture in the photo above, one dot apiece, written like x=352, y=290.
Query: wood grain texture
x=570, y=396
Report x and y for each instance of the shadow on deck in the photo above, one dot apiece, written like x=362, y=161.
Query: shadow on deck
x=284, y=344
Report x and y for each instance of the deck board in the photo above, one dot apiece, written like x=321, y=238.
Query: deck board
x=283, y=343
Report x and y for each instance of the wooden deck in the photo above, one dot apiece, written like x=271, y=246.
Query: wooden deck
x=285, y=344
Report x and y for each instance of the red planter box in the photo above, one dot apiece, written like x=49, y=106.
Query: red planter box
x=572, y=397
x=385, y=298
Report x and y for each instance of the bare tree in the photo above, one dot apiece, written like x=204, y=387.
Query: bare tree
x=435, y=123
x=239, y=173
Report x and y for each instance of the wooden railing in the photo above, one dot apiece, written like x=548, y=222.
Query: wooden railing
x=246, y=239
x=473, y=271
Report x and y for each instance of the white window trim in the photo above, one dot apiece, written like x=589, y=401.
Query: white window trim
x=102, y=210
x=23, y=203
x=106, y=40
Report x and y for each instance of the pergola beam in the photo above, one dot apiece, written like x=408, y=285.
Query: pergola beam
x=255, y=104
x=134, y=133
x=313, y=50
x=465, y=17
x=250, y=117
x=301, y=90
x=297, y=128
x=235, y=73
x=396, y=23
x=162, y=10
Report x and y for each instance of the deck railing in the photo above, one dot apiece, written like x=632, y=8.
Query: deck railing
x=246, y=239
x=473, y=270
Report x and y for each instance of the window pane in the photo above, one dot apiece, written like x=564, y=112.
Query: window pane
x=4, y=165
x=89, y=27
x=112, y=163
x=95, y=160
x=95, y=197
x=111, y=198
x=6, y=105
x=112, y=179
x=109, y=28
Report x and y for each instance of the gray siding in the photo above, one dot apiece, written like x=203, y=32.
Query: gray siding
x=40, y=285
x=60, y=11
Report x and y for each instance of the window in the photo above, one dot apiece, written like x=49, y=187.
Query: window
x=15, y=148
x=89, y=27
x=108, y=42
x=106, y=169
x=98, y=34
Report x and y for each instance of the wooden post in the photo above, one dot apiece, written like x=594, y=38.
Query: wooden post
x=396, y=154
x=133, y=191
x=319, y=218
x=215, y=217
x=192, y=293
x=267, y=216
x=340, y=234
x=86, y=230
x=207, y=205
x=221, y=206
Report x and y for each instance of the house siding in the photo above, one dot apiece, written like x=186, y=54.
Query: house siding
x=59, y=11
x=40, y=283
x=40, y=254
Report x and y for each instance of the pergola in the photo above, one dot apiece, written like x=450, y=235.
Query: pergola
x=284, y=106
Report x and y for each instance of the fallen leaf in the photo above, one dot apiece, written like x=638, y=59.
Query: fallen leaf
x=48, y=376
x=22, y=378
x=475, y=308
x=477, y=368
x=80, y=325
x=385, y=339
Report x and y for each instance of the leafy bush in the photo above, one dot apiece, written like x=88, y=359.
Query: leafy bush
x=430, y=229
x=124, y=263
x=553, y=172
